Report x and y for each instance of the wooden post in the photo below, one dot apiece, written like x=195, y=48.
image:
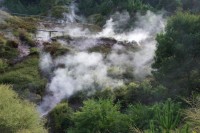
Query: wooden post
x=49, y=34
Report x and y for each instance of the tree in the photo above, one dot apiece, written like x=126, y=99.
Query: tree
x=60, y=118
x=17, y=116
x=177, y=59
x=100, y=117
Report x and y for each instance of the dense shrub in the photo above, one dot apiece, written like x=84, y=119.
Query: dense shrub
x=145, y=92
x=3, y=65
x=55, y=48
x=33, y=7
x=17, y=115
x=25, y=75
x=107, y=7
x=140, y=115
x=168, y=115
x=27, y=24
x=8, y=49
x=60, y=118
x=161, y=117
x=100, y=116
x=57, y=11
x=192, y=114
x=25, y=37
x=177, y=57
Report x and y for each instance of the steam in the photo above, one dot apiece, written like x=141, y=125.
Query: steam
x=84, y=70
x=71, y=16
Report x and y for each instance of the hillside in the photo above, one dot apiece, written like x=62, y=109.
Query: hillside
x=99, y=66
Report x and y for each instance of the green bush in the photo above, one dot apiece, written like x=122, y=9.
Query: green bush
x=8, y=49
x=140, y=115
x=25, y=37
x=57, y=11
x=100, y=116
x=145, y=92
x=25, y=75
x=161, y=117
x=3, y=65
x=27, y=24
x=60, y=118
x=177, y=59
x=192, y=114
x=34, y=7
x=55, y=49
x=17, y=116
x=34, y=51
x=106, y=93
x=168, y=115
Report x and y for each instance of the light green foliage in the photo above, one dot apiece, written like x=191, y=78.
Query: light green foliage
x=145, y=92
x=34, y=51
x=3, y=65
x=25, y=75
x=193, y=114
x=158, y=118
x=60, y=118
x=27, y=24
x=106, y=93
x=168, y=115
x=25, y=37
x=140, y=115
x=8, y=48
x=100, y=116
x=182, y=129
x=17, y=115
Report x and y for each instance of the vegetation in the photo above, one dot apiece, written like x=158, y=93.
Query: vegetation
x=17, y=116
x=168, y=115
x=25, y=76
x=55, y=48
x=177, y=57
x=8, y=49
x=193, y=114
x=60, y=118
x=99, y=116
x=35, y=7
x=154, y=105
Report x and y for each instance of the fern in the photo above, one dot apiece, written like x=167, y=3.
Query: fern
x=168, y=115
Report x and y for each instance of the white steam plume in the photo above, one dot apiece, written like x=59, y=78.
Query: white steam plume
x=71, y=16
x=83, y=70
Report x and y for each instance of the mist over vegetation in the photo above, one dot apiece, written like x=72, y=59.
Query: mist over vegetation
x=100, y=66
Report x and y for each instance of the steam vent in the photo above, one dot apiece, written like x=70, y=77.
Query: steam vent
x=99, y=66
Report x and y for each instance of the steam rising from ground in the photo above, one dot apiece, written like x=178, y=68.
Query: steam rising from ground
x=84, y=70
